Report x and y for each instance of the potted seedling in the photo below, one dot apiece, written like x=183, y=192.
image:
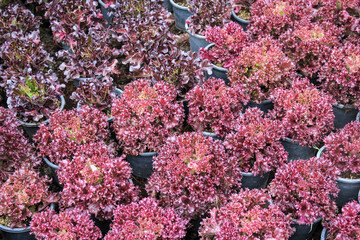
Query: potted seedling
x=90, y=56
x=339, y=77
x=71, y=223
x=248, y=213
x=256, y=145
x=305, y=190
x=305, y=114
x=67, y=131
x=342, y=149
x=96, y=93
x=260, y=68
x=144, y=117
x=146, y=220
x=24, y=194
x=97, y=181
x=193, y=173
x=213, y=107
x=345, y=225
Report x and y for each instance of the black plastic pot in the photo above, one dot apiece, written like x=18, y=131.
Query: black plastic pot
x=264, y=106
x=180, y=15
x=211, y=134
x=217, y=72
x=303, y=231
x=104, y=225
x=107, y=16
x=344, y=115
x=53, y=167
x=31, y=128
x=18, y=233
x=251, y=182
x=167, y=5
x=349, y=188
x=196, y=41
x=118, y=92
x=296, y=151
x=323, y=234
x=141, y=164
x=244, y=23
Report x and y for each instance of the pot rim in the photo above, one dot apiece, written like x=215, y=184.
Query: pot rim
x=339, y=179
x=176, y=5
x=238, y=18
x=52, y=165
x=20, y=230
x=323, y=234
x=202, y=37
x=213, y=65
x=145, y=154
x=103, y=4
x=26, y=124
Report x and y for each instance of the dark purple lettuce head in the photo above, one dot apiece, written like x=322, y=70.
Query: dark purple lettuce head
x=33, y=96
x=95, y=92
x=142, y=27
x=90, y=56
x=15, y=149
x=22, y=195
x=25, y=54
x=69, y=18
x=207, y=13
x=17, y=21
x=182, y=69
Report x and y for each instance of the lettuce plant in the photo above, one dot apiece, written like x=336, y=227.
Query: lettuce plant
x=97, y=93
x=67, y=130
x=146, y=220
x=25, y=54
x=206, y=14
x=258, y=74
x=182, y=69
x=95, y=180
x=342, y=148
x=15, y=149
x=33, y=97
x=17, y=21
x=343, y=13
x=309, y=46
x=340, y=74
x=249, y=214
x=90, y=56
x=345, y=225
x=142, y=29
x=213, y=107
x=276, y=17
x=304, y=111
x=305, y=190
x=229, y=41
x=69, y=19
x=193, y=173
x=146, y=115
x=22, y=195
x=72, y=223
x=256, y=143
